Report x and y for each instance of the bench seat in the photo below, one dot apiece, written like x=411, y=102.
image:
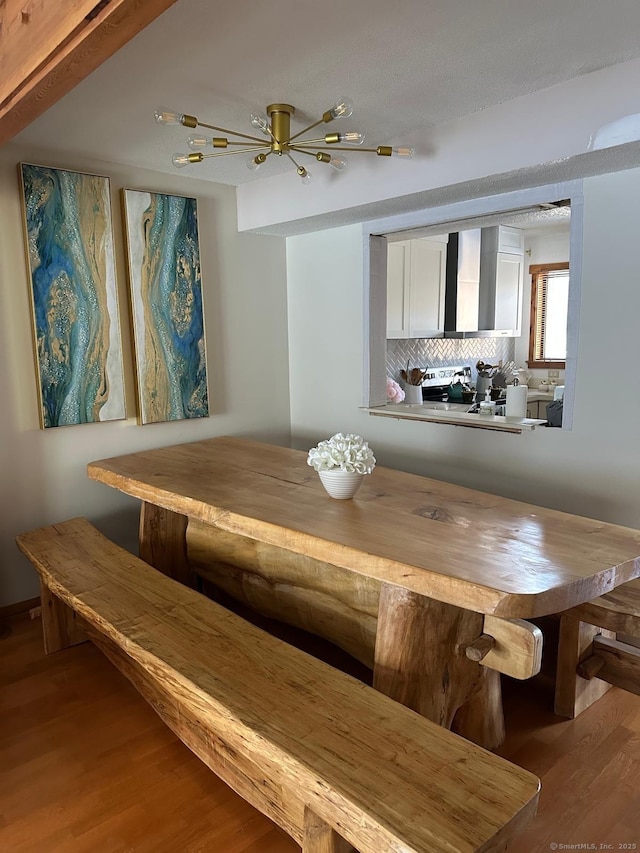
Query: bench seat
x=329, y=759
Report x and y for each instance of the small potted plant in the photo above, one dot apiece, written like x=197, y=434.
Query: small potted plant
x=342, y=462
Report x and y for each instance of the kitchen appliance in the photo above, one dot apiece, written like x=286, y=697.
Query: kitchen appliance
x=438, y=379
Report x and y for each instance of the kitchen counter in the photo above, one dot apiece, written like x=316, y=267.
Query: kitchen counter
x=456, y=414
x=535, y=396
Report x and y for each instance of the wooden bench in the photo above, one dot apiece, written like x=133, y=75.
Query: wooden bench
x=598, y=648
x=329, y=759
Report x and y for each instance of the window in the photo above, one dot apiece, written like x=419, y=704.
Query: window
x=549, y=303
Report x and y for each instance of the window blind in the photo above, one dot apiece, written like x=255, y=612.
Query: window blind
x=549, y=289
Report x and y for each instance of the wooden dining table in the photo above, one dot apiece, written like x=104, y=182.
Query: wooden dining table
x=428, y=583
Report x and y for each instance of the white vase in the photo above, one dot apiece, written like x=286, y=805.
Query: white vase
x=413, y=394
x=341, y=484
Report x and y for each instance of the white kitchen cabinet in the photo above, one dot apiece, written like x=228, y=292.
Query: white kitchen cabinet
x=398, y=284
x=510, y=240
x=416, y=275
x=501, y=281
x=537, y=403
x=509, y=288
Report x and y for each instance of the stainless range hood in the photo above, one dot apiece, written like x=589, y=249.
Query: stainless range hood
x=483, y=296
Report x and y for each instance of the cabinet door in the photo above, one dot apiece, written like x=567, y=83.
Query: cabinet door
x=509, y=283
x=510, y=240
x=398, y=272
x=428, y=278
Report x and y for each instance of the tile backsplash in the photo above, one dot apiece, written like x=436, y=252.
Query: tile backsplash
x=440, y=352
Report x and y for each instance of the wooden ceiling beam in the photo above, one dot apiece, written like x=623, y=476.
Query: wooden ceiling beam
x=48, y=48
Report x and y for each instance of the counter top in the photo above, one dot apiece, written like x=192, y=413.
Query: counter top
x=455, y=414
x=534, y=396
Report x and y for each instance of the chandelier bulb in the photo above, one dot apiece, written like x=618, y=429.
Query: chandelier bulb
x=338, y=163
x=165, y=115
x=181, y=160
x=260, y=122
x=196, y=140
x=305, y=175
x=351, y=137
x=342, y=108
x=254, y=163
x=406, y=153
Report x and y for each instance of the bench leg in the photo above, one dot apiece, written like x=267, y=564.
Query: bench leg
x=419, y=661
x=319, y=837
x=573, y=693
x=60, y=626
x=163, y=542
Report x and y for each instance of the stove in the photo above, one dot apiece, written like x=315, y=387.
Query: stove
x=438, y=379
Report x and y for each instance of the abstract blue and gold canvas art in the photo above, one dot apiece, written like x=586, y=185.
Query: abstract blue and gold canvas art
x=166, y=306
x=69, y=239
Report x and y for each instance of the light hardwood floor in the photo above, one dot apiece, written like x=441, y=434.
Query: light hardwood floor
x=87, y=767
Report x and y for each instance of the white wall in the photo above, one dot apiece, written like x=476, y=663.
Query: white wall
x=592, y=470
x=43, y=477
x=487, y=152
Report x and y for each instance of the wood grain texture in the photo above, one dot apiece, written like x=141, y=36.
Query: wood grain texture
x=418, y=635
x=590, y=667
x=314, y=732
x=618, y=610
x=328, y=600
x=573, y=694
x=28, y=40
x=57, y=46
x=163, y=542
x=60, y=625
x=621, y=663
x=319, y=837
x=481, y=718
x=400, y=529
x=479, y=649
x=319, y=597
x=517, y=650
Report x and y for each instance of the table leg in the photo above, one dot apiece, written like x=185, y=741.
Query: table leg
x=420, y=661
x=163, y=542
x=573, y=693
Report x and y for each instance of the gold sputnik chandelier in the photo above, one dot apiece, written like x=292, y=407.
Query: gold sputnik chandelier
x=277, y=127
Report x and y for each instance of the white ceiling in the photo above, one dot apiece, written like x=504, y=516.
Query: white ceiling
x=407, y=64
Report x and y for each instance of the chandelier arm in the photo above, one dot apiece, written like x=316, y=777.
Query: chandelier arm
x=297, y=165
x=301, y=151
x=252, y=144
x=226, y=130
x=320, y=141
x=306, y=129
x=238, y=151
x=349, y=148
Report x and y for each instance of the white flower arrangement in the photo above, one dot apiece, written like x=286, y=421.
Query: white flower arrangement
x=345, y=452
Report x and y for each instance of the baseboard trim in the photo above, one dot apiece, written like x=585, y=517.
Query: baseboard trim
x=19, y=607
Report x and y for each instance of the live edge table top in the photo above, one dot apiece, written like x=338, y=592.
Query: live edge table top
x=461, y=546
